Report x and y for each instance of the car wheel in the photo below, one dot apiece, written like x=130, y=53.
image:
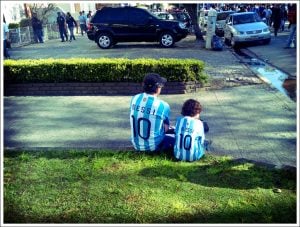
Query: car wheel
x=166, y=39
x=104, y=41
x=233, y=43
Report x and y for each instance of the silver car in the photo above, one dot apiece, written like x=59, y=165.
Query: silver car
x=245, y=27
x=221, y=20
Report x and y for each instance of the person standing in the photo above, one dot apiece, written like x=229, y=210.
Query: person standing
x=5, y=39
x=149, y=117
x=82, y=22
x=37, y=27
x=190, y=143
x=283, y=17
x=61, y=22
x=292, y=18
x=71, y=24
x=276, y=18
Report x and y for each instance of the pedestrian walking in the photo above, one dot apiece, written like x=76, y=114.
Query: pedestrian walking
x=61, y=22
x=5, y=39
x=37, y=27
x=71, y=24
x=88, y=20
x=283, y=17
x=276, y=18
x=292, y=18
x=82, y=22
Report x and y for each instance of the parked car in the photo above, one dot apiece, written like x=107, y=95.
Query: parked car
x=183, y=17
x=129, y=24
x=164, y=15
x=220, y=22
x=245, y=27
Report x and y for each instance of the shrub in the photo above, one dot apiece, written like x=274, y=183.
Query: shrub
x=13, y=25
x=101, y=70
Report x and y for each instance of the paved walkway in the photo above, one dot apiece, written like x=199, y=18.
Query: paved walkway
x=253, y=122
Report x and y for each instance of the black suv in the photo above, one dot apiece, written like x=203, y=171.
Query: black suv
x=128, y=24
x=183, y=17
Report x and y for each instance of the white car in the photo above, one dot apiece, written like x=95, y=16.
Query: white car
x=245, y=27
x=221, y=20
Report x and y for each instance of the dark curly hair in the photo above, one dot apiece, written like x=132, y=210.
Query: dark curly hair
x=191, y=107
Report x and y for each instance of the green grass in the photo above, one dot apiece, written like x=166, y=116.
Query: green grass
x=130, y=187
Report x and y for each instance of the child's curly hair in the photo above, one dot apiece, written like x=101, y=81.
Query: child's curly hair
x=191, y=107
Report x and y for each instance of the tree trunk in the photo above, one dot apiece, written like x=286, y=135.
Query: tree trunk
x=192, y=10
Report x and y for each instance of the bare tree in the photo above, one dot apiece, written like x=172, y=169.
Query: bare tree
x=192, y=10
x=42, y=10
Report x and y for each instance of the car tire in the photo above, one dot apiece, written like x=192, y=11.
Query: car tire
x=233, y=43
x=166, y=39
x=104, y=41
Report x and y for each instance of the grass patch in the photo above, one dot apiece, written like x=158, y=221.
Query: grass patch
x=129, y=187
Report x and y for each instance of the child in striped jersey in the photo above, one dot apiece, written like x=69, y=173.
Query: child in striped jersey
x=190, y=133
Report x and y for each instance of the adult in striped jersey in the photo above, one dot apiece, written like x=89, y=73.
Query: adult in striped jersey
x=190, y=144
x=149, y=117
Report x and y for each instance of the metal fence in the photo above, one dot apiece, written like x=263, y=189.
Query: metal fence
x=24, y=36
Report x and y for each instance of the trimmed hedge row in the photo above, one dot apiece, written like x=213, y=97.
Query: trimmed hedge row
x=101, y=70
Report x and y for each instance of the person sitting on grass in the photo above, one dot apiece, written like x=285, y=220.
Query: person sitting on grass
x=149, y=118
x=190, y=143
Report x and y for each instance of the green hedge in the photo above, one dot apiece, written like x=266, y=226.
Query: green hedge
x=13, y=25
x=101, y=70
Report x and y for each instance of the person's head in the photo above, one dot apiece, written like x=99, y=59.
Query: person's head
x=153, y=83
x=68, y=14
x=192, y=108
x=34, y=15
x=58, y=13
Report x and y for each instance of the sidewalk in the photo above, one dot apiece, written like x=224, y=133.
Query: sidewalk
x=261, y=128
x=253, y=122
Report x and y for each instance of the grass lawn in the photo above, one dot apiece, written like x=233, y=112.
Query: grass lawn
x=128, y=187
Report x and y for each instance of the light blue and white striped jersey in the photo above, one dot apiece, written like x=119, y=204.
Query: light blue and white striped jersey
x=147, y=117
x=189, y=136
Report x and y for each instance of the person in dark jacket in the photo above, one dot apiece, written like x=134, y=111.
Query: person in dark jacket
x=71, y=24
x=37, y=27
x=276, y=18
x=61, y=22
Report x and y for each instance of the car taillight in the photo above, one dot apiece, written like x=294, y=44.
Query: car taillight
x=90, y=27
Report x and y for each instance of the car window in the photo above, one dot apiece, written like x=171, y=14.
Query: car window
x=138, y=16
x=112, y=15
x=223, y=15
x=229, y=19
x=165, y=16
x=246, y=18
